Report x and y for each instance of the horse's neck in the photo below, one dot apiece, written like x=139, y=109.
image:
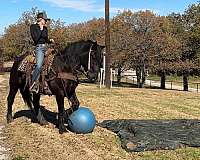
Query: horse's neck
x=66, y=63
x=73, y=54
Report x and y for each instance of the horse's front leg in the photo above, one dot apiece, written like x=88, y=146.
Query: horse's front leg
x=61, y=114
x=39, y=115
x=74, y=104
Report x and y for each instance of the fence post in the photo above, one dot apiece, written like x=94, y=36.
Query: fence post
x=150, y=83
x=1, y=62
x=171, y=85
x=197, y=87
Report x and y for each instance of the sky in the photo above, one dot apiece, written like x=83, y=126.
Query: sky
x=75, y=11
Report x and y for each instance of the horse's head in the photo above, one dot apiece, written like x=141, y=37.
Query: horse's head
x=92, y=60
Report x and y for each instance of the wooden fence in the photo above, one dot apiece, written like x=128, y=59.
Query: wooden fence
x=173, y=85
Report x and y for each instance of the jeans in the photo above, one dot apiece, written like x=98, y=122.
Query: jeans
x=40, y=52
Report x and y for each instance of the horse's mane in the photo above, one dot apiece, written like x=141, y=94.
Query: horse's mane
x=69, y=56
x=73, y=47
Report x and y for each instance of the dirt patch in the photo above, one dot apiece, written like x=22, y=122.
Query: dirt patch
x=1, y=81
x=3, y=148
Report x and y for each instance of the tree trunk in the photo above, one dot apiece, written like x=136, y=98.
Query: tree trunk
x=144, y=75
x=162, y=80
x=119, y=76
x=1, y=66
x=1, y=60
x=138, y=74
x=185, y=81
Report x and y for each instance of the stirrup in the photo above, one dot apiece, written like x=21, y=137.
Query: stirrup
x=34, y=88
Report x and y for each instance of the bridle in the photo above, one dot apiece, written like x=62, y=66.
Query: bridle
x=89, y=58
x=89, y=61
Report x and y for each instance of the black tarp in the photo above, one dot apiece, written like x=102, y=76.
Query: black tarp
x=147, y=135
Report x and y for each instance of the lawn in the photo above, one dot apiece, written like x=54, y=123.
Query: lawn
x=28, y=140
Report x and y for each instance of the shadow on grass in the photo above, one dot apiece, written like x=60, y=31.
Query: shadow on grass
x=50, y=116
x=148, y=135
x=124, y=84
x=131, y=85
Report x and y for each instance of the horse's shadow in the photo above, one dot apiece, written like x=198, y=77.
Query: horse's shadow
x=50, y=116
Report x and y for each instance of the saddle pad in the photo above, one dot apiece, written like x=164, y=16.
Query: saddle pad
x=31, y=61
x=28, y=60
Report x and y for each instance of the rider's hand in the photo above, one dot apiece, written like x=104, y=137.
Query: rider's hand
x=41, y=27
x=51, y=41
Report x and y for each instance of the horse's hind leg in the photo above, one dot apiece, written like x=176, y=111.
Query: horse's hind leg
x=61, y=114
x=26, y=97
x=37, y=108
x=10, y=101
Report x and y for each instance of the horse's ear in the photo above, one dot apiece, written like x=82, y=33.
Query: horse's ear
x=102, y=47
x=91, y=41
x=94, y=43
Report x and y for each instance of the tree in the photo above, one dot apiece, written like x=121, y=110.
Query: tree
x=166, y=49
x=120, y=32
x=58, y=32
x=142, y=25
x=16, y=39
x=187, y=30
x=1, y=54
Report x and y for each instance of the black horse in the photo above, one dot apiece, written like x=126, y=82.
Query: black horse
x=84, y=56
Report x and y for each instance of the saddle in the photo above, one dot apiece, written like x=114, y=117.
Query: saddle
x=27, y=66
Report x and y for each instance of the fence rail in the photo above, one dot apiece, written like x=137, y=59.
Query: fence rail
x=173, y=85
x=193, y=86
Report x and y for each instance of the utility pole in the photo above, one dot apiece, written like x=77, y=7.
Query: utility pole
x=107, y=43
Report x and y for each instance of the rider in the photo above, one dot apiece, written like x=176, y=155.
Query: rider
x=39, y=34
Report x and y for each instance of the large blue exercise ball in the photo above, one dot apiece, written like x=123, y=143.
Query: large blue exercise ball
x=82, y=121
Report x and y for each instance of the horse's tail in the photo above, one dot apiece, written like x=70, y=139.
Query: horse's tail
x=15, y=77
x=14, y=80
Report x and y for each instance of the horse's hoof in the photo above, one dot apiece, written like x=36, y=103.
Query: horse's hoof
x=9, y=119
x=63, y=130
x=41, y=120
x=43, y=123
